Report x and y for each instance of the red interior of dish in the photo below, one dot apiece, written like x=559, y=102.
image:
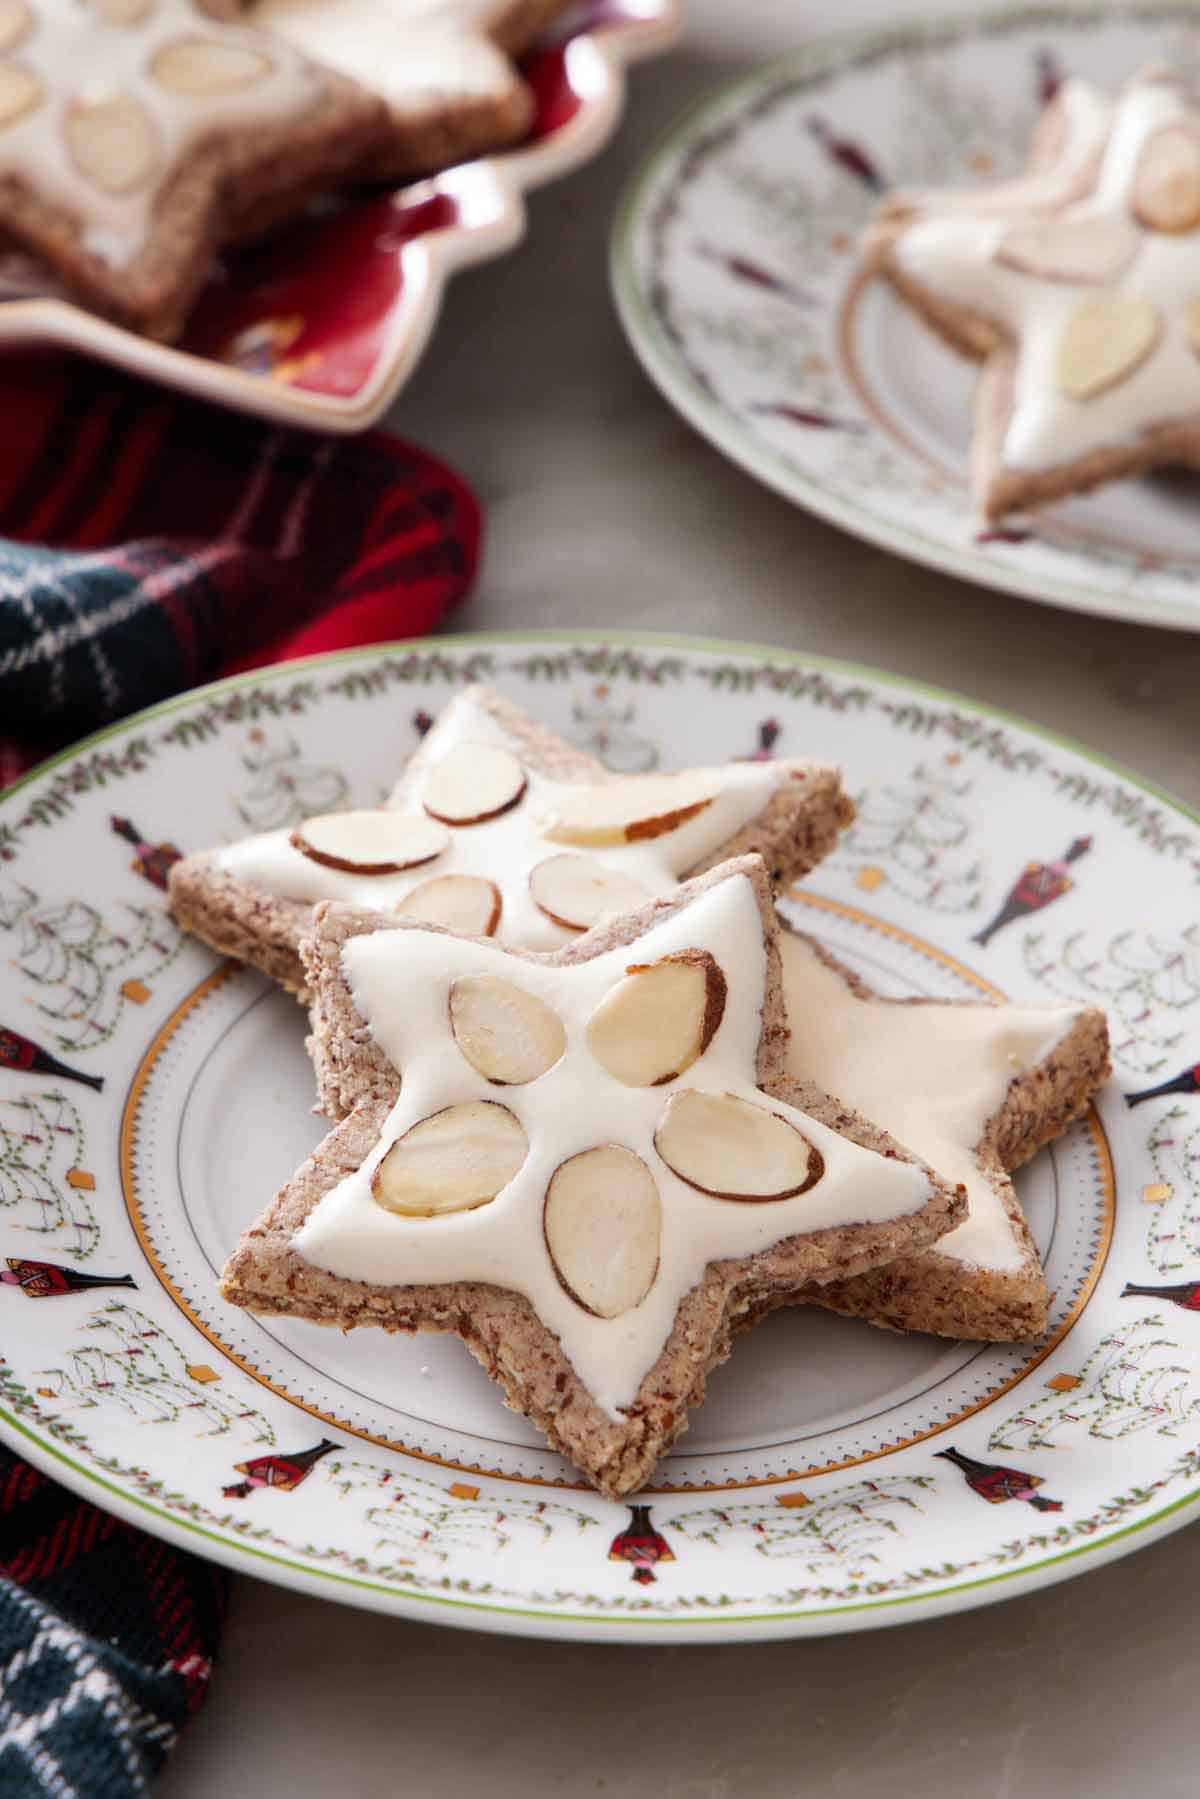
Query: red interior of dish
x=310, y=305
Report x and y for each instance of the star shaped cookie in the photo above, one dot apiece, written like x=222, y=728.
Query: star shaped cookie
x=975, y=1089
x=136, y=135
x=595, y=1165
x=442, y=66
x=1080, y=289
x=499, y=828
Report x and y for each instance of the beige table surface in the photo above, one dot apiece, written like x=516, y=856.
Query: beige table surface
x=607, y=511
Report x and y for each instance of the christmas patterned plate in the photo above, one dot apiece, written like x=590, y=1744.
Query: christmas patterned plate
x=838, y=1476
x=736, y=274
x=322, y=323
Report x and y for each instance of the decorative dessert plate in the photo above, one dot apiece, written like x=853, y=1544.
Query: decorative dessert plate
x=838, y=1476
x=323, y=322
x=736, y=272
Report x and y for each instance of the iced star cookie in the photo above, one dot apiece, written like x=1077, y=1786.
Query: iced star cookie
x=595, y=1165
x=136, y=135
x=442, y=66
x=975, y=1089
x=499, y=828
x=1080, y=289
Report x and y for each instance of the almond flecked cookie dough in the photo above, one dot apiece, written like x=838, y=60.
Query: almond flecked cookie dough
x=595, y=1165
x=498, y=827
x=1078, y=287
x=442, y=66
x=138, y=135
x=975, y=1089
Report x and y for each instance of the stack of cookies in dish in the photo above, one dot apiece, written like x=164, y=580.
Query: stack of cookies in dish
x=138, y=136
x=594, y=1108
x=1076, y=286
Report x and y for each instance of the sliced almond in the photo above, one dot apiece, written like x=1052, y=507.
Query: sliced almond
x=369, y=843
x=113, y=143
x=464, y=903
x=452, y=1161
x=200, y=68
x=20, y=92
x=1166, y=182
x=472, y=783
x=628, y=811
x=733, y=1149
x=123, y=12
x=659, y=1020
x=1191, y=319
x=603, y=1224
x=507, y=1035
x=1082, y=250
x=577, y=893
x=1105, y=340
x=15, y=20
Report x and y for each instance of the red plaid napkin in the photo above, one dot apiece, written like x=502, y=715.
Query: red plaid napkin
x=147, y=544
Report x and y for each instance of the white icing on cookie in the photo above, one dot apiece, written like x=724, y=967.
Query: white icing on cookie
x=120, y=112
x=1078, y=122
x=507, y=849
x=932, y=1075
x=1054, y=418
x=416, y=54
x=400, y=981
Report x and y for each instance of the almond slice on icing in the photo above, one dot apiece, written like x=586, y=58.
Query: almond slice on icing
x=451, y=1161
x=472, y=783
x=15, y=20
x=1191, y=320
x=1166, y=182
x=113, y=143
x=659, y=1020
x=200, y=68
x=728, y=1147
x=603, y=1224
x=369, y=843
x=464, y=903
x=1105, y=340
x=123, y=12
x=628, y=811
x=576, y=892
x=507, y=1035
x=1082, y=250
x=20, y=92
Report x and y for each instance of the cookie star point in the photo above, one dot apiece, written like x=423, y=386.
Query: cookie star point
x=975, y=1089
x=442, y=66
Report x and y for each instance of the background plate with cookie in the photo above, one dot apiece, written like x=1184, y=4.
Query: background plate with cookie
x=741, y=276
